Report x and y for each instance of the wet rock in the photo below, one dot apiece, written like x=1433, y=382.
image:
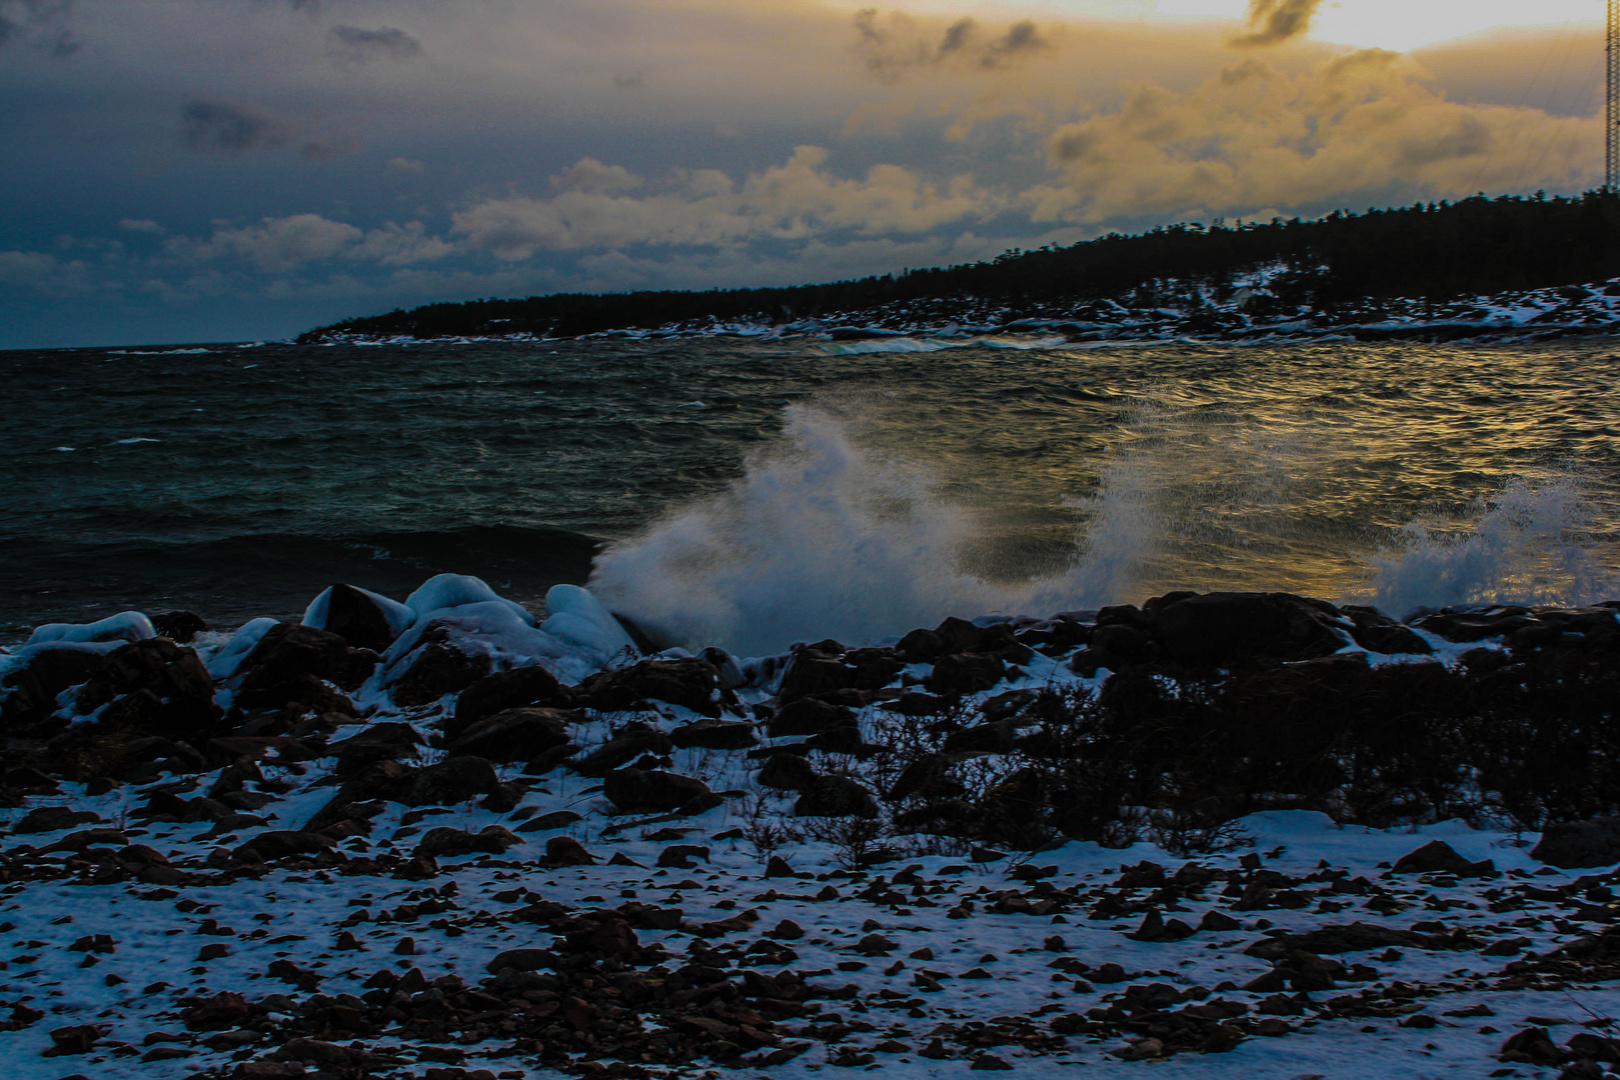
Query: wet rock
x=1377, y=632
x=715, y=734
x=689, y=682
x=434, y=670
x=836, y=796
x=289, y=651
x=1437, y=856
x=444, y=841
x=1580, y=844
x=1223, y=627
x=35, y=684
x=1477, y=624
x=516, y=689
x=515, y=734
x=637, y=790
x=154, y=686
x=300, y=694
x=813, y=671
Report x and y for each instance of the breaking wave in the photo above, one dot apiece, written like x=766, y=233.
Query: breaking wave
x=826, y=537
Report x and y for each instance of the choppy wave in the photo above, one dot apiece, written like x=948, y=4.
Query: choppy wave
x=825, y=537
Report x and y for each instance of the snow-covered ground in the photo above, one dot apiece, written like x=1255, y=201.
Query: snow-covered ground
x=942, y=959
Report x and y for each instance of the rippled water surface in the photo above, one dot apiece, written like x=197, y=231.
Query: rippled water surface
x=750, y=489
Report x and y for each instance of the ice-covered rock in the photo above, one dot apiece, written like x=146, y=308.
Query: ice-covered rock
x=364, y=619
x=223, y=663
x=125, y=626
x=459, y=590
x=578, y=619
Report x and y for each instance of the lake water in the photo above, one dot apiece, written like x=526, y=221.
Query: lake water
x=756, y=492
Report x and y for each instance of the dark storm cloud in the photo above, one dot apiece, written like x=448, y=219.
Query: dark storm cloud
x=898, y=42
x=23, y=18
x=1272, y=22
x=225, y=127
x=357, y=45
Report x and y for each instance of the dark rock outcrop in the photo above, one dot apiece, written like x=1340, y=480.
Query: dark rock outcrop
x=1227, y=627
x=1580, y=844
x=515, y=735
x=635, y=790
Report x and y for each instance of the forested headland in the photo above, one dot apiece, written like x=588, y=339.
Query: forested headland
x=1426, y=252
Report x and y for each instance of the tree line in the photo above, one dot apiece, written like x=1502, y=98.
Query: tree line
x=1436, y=250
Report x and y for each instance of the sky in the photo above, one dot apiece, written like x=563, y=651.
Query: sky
x=237, y=170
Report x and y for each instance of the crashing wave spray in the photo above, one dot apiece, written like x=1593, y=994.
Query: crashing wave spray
x=824, y=538
x=819, y=538
x=1529, y=543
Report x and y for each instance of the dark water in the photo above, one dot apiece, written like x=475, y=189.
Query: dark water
x=755, y=483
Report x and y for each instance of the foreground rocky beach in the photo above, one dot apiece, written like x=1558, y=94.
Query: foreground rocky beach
x=1232, y=834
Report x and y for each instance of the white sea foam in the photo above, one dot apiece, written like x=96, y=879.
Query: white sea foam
x=822, y=537
x=825, y=537
x=1528, y=543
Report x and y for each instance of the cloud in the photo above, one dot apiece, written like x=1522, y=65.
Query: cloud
x=20, y=19
x=707, y=208
x=588, y=174
x=223, y=127
x=280, y=245
x=1366, y=124
x=404, y=165
x=899, y=41
x=140, y=225
x=213, y=126
x=1272, y=22
x=355, y=45
x=43, y=272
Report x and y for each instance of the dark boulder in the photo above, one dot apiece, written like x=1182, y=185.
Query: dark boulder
x=289, y=651
x=714, y=734
x=357, y=619
x=52, y=818
x=180, y=627
x=628, y=744
x=1477, y=624
x=445, y=841
x=809, y=716
x=153, y=686
x=388, y=741
x=965, y=673
x=1437, y=856
x=811, y=671
x=875, y=668
x=453, y=780
x=927, y=776
x=836, y=796
x=1377, y=632
x=689, y=682
x=502, y=690
x=515, y=735
x=434, y=670
x=280, y=843
x=999, y=737
x=30, y=690
x=566, y=851
x=1580, y=844
x=787, y=772
x=300, y=694
x=1222, y=628
x=636, y=790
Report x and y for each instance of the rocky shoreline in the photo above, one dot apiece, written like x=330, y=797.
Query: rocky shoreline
x=446, y=839
x=1165, y=310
